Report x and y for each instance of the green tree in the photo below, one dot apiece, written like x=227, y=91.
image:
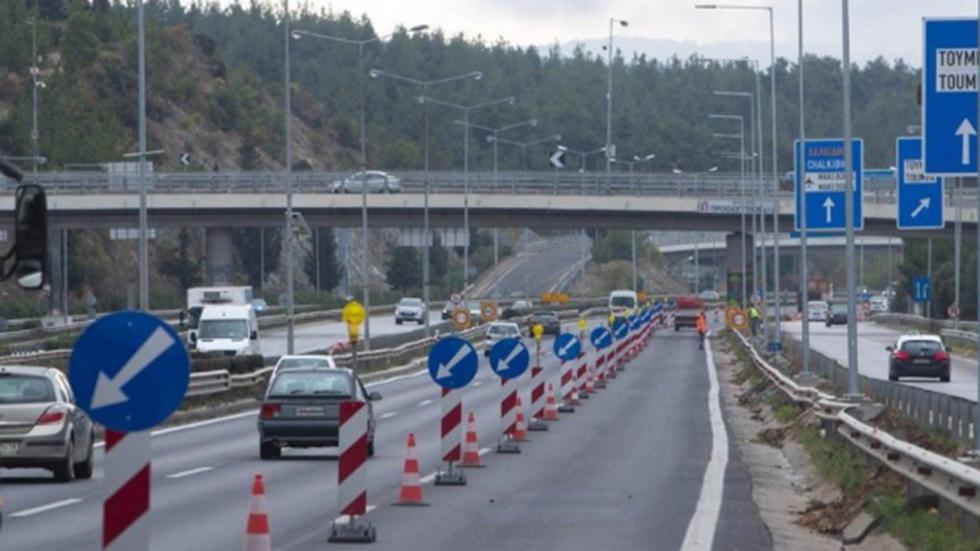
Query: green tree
x=248, y=249
x=329, y=266
x=80, y=44
x=404, y=269
x=180, y=263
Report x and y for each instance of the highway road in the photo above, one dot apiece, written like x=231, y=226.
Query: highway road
x=629, y=469
x=547, y=267
x=873, y=358
x=321, y=335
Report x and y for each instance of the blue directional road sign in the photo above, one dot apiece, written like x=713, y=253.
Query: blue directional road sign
x=622, y=330
x=920, y=197
x=923, y=290
x=509, y=358
x=949, y=96
x=601, y=337
x=129, y=371
x=453, y=362
x=567, y=347
x=820, y=176
x=635, y=322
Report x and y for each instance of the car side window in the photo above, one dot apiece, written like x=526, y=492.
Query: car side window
x=363, y=391
x=64, y=388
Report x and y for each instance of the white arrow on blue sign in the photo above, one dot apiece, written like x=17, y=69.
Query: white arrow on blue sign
x=129, y=371
x=922, y=291
x=567, y=347
x=920, y=197
x=453, y=362
x=622, y=330
x=820, y=177
x=949, y=96
x=509, y=358
x=601, y=337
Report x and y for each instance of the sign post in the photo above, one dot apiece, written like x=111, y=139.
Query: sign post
x=354, y=314
x=567, y=347
x=129, y=372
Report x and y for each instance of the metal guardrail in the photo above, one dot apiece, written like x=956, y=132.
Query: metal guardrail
x=954, y=481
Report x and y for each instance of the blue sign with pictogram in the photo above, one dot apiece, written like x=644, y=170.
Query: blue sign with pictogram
x=922, y=290
x=920, y=196
x=601, y=337
x=567, y=347
x=453, y=362
x=509, y=358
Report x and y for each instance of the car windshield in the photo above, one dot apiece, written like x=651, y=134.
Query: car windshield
x=306, y=383
x=292, y=363
x=410, y=302
x=223, y=329
x=838, y=308
x=624, y=301
x=922, y=347
x=544, y=316
x=521, y=305
x=503, y=330
x=25, y=389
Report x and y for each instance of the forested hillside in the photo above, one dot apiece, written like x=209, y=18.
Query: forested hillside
x=215, y=85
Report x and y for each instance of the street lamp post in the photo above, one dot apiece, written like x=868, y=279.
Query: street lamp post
x=853, y=390
x=741, y=186
x=425, y=85
x=636, y=160
x=524, y=145
x=365, y=250
x=467, y=109
x=288, y=175
x=775, y=339
x=583, y=155
x=610, y=150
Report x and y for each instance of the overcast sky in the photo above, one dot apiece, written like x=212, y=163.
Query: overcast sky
x=890, y=28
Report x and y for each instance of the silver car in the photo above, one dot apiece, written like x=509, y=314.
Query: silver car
x=499, y=331
x=410, y=309
x=40, y=425
x=377, y=182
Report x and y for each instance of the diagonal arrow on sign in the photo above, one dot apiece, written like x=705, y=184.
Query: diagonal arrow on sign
x=504, y=364
x=568, y=346
x=446, y=369
x=964, y=131
x=923, y=204
x=108, y=392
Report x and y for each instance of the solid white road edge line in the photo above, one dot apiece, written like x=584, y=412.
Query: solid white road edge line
x=700, y=534
x=190, y=472
x=45, y=508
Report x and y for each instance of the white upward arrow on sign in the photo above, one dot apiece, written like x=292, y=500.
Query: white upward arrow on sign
x=829, y=205
x=108, y=392
x=965, y=131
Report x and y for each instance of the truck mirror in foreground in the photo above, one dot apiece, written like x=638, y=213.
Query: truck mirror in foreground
x=30, y=250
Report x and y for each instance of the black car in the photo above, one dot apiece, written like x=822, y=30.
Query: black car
x=518, y=309
x=548, y=320
x=301, y=409
x=837, y=314
x=918, y=356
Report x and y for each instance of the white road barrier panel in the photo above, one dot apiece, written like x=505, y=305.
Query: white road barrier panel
x=451, y=432
x=506, y=442
x=352, y=476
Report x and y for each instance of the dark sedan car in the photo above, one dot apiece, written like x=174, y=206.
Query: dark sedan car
x=837, y=314
x=301, y=409
x=918, y=356
x=548, y=320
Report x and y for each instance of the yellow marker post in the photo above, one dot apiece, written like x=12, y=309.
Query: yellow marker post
x=354, y=314
x=612, y=318
x=581, y=328
x=538, y=331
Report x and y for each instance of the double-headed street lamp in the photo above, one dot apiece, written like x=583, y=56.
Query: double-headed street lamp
x=609, y=149
x=636, y=160
x=365, y=252
x=466, y=109
x=584, y=155
x=425, y=85
x=524, y=145
x=741, y=138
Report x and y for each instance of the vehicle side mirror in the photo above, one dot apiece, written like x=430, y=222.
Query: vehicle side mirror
x=374, y=396
x=193, y=337
x=30, y=250
x=889, y=348
x=254, y=336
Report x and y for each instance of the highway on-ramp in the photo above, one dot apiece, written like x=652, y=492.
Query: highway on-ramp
x=644, y=464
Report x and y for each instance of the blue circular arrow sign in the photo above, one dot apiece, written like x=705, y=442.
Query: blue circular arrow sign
x=622, y=330
x=509, y=358
x=635, y=322
x=129, y=371
x=567, y=347
x=453, y=362
x=601, y=337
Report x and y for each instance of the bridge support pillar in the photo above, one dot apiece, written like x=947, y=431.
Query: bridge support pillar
x=56, y=274
x=733, y=267
x=219, y=256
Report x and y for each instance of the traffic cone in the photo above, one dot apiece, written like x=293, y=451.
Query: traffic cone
x=411, y=492
x=550, y=408
x=590, y=383
x=471, y=445
x=257, y=530
x=520, y=429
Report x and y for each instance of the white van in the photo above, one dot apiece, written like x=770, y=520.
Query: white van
x=231, y=330
x=622, y=303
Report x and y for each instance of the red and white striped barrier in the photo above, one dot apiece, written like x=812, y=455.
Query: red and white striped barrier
x=600, y=369
x=506, y=442
x=537, y=400
x=611, y=360
x=125, y=525
x=583, y=376
x=451, y=431
x=352, y=475
x=566, y=388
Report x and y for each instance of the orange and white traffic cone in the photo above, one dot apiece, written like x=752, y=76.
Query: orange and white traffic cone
x=550, y=407
x=590, y=383
x=520, y=428
x=471, y=445
x=411, y=491
x=257, y=530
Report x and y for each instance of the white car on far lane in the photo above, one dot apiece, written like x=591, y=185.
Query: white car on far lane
x=498, y=331
x=816, y=310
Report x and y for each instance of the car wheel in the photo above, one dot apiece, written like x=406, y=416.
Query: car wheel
x=398, y=322
x=421, y=322
x=268, y=450
x=64, y=470
x=944, y=377
x=370, y=448
x=84, y=469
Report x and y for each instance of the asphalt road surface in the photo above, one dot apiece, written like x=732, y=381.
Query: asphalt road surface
x=873, y=358
x=321, y=335
x=628, y=470
x=539, y=271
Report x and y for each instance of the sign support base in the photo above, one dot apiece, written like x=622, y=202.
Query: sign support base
x=355, y=530
x=566, y=408
x=450, y=477
x=506, y=445
x=537, y=424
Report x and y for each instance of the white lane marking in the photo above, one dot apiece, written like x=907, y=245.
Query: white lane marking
x=45, y=508
x=428, y=478
x=343, y=519
x=197, y=424
x=701, y=529
x=190, y=472
x=389, y=414
x=424, y=403
x=477, y=383
x=484, y=451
